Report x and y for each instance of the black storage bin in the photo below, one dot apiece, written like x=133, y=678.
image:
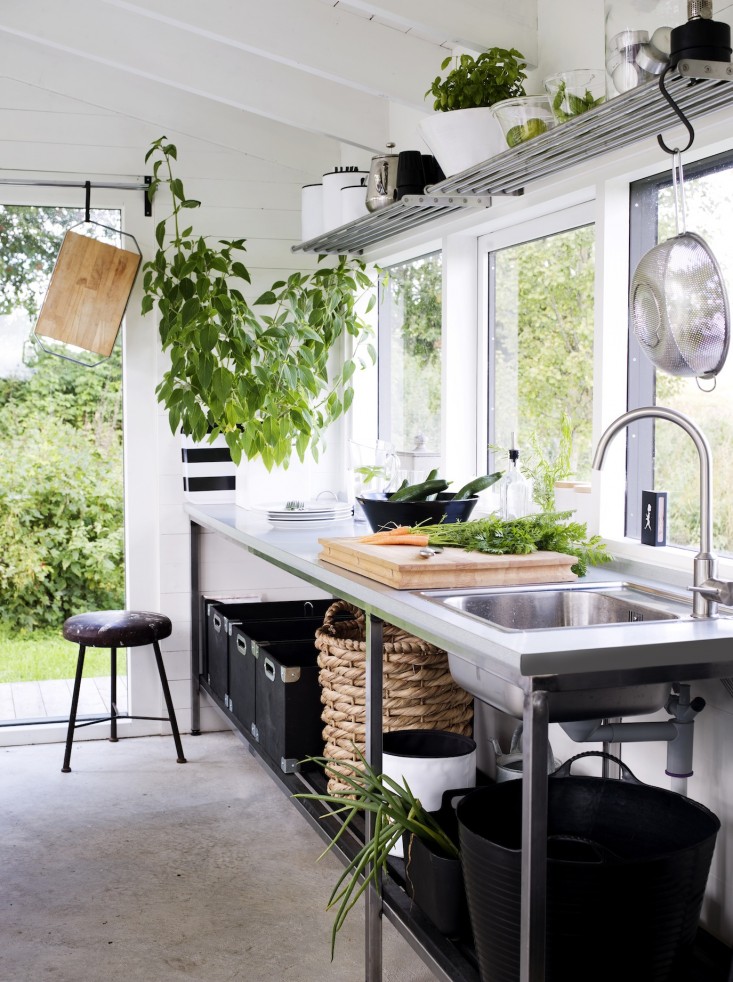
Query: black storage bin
x=288, y=702
x=220, y=617
x=244, y=641
x=627, y=867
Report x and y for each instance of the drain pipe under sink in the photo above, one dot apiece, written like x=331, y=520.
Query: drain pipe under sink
x=677, y=732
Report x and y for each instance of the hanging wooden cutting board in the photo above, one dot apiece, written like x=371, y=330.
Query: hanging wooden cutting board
x=88, y=293
x=402, y=567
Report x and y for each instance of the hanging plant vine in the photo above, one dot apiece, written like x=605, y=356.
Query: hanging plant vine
x=262, y=379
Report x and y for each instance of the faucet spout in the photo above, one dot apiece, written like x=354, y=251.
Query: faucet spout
x=705, y=563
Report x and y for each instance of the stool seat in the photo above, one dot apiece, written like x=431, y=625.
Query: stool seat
x=118, y=628
x=115, y=629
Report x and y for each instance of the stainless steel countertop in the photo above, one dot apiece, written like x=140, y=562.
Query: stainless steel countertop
x=680, y=650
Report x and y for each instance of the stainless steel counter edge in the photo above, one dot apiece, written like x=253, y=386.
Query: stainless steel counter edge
x=678, y=650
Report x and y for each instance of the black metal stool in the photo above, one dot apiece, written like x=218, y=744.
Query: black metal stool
x=115, y=629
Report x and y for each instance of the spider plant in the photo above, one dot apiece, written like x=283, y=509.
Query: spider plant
x=396, y=811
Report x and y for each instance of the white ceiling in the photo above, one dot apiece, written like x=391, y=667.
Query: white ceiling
x=324, y=68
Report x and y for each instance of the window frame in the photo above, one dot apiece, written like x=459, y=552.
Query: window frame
x=641, y=379
x=555, y=222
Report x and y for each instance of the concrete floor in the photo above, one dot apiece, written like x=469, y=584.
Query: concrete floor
x=137, y=868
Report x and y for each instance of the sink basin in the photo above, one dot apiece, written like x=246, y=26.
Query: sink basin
x=547, y=609
x=571, y=606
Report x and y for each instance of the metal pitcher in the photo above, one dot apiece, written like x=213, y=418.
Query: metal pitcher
x=382, y=180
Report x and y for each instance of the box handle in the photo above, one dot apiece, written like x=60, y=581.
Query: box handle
x=269, y=667
x=241, y=644
x=216, y=622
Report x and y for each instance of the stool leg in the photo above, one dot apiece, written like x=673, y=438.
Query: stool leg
x=168, y=702
x=113, y=695
x=74, y=705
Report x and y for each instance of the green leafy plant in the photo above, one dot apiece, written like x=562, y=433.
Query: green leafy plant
x=493, y=75
x=549, y=531
x=396, y=811
x=261, y=379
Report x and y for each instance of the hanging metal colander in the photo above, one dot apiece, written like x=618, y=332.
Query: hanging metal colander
x=678, y=300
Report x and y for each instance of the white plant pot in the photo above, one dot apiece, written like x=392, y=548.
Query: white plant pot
x=429, y=762
x=209, y=474
x=462, y=138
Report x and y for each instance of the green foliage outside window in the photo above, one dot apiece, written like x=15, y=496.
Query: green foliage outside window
x=61, y=521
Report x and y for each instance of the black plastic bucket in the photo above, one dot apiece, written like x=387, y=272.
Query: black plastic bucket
x=626, y=874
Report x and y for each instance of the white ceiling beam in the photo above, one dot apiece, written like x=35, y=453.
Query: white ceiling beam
x=107, y=37
x=474, y=24
x=341, y=47
x=165, y=110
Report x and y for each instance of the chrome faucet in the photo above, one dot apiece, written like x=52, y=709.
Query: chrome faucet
x=708, y=590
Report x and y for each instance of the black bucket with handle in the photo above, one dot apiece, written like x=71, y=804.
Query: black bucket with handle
x=627, y=867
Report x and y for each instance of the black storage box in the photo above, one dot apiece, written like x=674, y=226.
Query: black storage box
x=288, y=702
x=220, y=617
x=244, y=651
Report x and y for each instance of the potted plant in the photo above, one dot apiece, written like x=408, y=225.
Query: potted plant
x=463, y=131
x=397, y=813
x=263, y=380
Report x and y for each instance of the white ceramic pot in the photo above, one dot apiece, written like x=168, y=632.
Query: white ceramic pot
x=429, y=762
x=462, y=138
x=311, y=211
x=209, y=473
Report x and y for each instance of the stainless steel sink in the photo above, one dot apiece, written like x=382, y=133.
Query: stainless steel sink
x=575, y=607
x=537, y=610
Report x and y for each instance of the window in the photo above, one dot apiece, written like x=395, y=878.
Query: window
x=661, y=456
x=410, y=343
x=541, y=322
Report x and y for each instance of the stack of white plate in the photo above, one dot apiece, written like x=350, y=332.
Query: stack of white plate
x=305, y=514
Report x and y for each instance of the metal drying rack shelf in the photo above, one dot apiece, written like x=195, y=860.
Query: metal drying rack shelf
x=617, y=123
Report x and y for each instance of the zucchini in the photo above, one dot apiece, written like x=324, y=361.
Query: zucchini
x=419, y=492
x=477, y=484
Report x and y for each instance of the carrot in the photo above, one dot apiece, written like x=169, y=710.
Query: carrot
x=385, y=534
x=407, y=539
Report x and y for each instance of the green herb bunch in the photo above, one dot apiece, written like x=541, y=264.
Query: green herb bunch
x=548, y=531
x=396, y=811
x=261, y=379
x=494, y=75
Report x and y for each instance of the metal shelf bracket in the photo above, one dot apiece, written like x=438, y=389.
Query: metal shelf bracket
x=691, y=68
x=455, y=200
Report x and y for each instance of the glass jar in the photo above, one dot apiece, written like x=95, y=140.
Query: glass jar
x=638, y=40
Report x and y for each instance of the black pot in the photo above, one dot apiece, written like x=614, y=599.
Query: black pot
x=410, y=173
x=433, y=880
x=626, y=874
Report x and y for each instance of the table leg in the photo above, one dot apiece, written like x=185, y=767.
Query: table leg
x=373, y=905
x=195, y=631
x=534, y=837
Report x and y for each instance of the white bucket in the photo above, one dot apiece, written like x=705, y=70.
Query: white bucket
x=429, y=762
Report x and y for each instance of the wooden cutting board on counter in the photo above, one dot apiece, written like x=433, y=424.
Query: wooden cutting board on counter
x=403, y=568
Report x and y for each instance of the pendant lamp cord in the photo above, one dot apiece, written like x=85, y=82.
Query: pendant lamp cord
x=88, y=191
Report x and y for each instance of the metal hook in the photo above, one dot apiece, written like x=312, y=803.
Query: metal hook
x=678, y=111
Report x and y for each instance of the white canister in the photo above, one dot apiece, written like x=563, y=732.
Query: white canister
x=429, y=762
x=311, y=211
x=333, y=182
x=353, y=203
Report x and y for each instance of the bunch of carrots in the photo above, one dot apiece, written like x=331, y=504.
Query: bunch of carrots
x=399, y=536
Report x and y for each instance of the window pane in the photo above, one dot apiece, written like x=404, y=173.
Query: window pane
x=708, y=199
x=542, y=343
x=410, y=325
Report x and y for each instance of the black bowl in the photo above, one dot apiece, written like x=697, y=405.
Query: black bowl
x=381, y=513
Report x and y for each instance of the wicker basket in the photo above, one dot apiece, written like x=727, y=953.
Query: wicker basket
x=418, y=689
